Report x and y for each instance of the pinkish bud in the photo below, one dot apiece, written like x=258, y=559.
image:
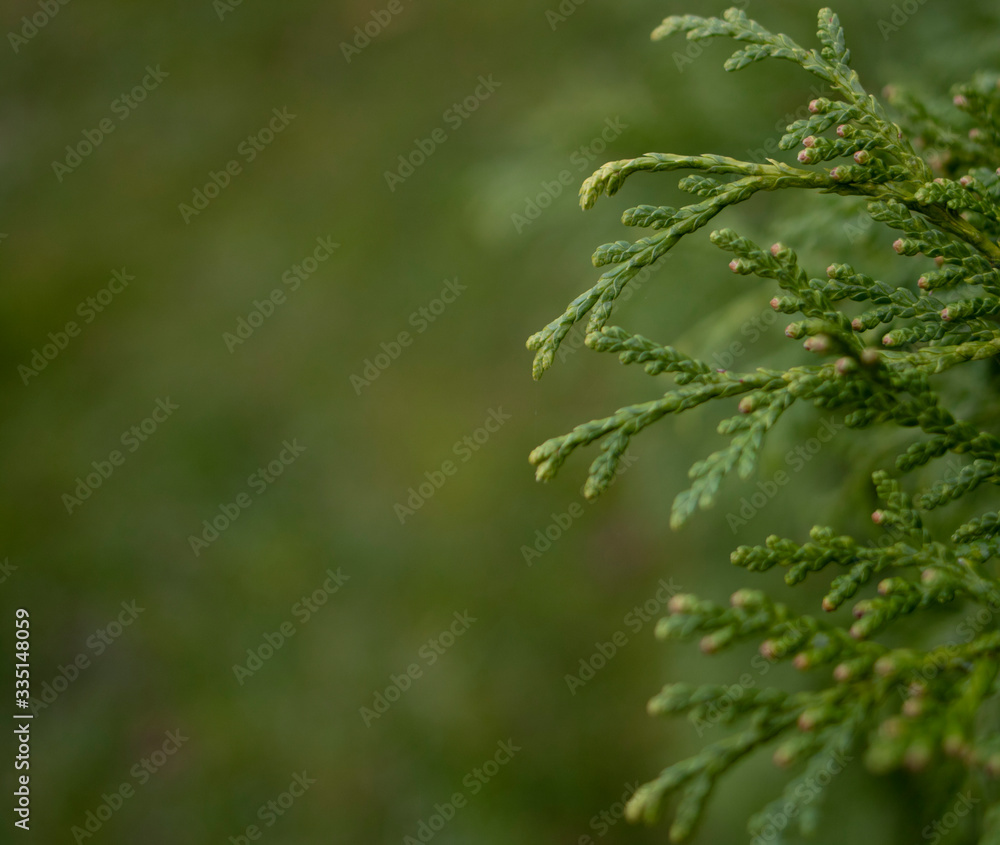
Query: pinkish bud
x=828, y=605
x=891, y=728
x=734, y=265
x=993, y=765
x=801, y=661
x=820, y=343
x=857, y=324
x=681, y=603
x=844, y=365
x=741, y=598
x=975, y=134
x=746, y=405
x=841, y=129
x=885, y=666
x=814, y=106
x=965, y=181
x=960, y=101
x=776, y=248
x=804, y=157
x=776, y=303
x=862, y=157
x=842, y=673
x=877, y=517
x=945, y=315
x=836, y=174
x=887, y=340
x=939, y=259
x=922, y=283
x=916, y=758
x=781, y=758
x=869, y=356
x=954, y=745
x=898, y=245
x=809, y=141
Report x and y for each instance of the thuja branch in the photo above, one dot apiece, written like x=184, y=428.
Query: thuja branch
x=876, y=364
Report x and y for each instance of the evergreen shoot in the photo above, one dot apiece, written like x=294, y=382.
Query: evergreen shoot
x=877, y=354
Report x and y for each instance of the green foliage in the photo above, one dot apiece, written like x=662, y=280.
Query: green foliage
x=881, y=367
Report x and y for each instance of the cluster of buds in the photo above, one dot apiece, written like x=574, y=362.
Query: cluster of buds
x=938, y=715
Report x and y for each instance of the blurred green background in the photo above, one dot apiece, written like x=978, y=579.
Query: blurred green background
x=558, y=82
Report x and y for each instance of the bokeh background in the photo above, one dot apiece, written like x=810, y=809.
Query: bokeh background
x=564, y=74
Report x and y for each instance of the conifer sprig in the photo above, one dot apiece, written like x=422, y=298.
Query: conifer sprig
x=934, y=181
